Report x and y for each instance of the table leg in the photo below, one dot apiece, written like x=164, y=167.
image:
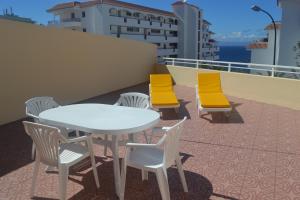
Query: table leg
x=115, y=151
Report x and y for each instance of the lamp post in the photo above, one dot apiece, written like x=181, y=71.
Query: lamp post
x=258, y=9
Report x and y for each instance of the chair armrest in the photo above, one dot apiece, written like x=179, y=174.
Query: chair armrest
x=35, y=118
x=80, y=139
x=160, y=129
x=140, y=145
x=117, y=103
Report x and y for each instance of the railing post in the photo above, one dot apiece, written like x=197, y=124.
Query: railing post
x=197, y=64
x=229, y=67
x=173, y=62
x=273, y=71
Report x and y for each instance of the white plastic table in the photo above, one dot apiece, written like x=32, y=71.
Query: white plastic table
x=102, y=119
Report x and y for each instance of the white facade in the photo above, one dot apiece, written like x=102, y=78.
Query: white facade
x=262, y=52
x=289, y=53
x=288, y=38
x=175, y=35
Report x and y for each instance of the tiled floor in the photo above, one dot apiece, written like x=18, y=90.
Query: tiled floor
x=253, y=154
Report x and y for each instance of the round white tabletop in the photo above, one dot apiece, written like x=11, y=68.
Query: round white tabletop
x=101, y=118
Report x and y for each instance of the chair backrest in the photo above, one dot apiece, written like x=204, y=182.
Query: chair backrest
x=209, y=83
x=46, y=140
x=37, y=105
x=134, y=99
x=171, y=142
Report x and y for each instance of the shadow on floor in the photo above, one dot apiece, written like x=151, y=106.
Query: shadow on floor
x=15, y=147
x=220, y=117
x=170, y=114
x=199, y=186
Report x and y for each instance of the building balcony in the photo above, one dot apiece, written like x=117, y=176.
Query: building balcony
x=75, y=22
x=251, y=153
x=65, y=23
x=141, y=23
x=167, y=52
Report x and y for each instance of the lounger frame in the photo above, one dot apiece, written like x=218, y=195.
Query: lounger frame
x=202, y=109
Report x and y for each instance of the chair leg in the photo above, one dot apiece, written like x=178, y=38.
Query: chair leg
x=77, y=133
x=146, y=137
x=227, y=114
x=123, y=179
x=144, y=175
x=63, y=179
x=105, y=146
x=33, y=151
x=162, y=180
x=34, y=177
x=95, y=171
x=181, y=174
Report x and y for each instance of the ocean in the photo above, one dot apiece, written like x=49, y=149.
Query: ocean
x=235, y=54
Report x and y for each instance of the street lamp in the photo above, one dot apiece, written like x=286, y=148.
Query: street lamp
x=258, y=9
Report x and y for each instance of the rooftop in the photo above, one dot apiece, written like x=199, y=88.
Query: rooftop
x=254, y=154
x=109, y=2
x=258, y=45
x=271, y=26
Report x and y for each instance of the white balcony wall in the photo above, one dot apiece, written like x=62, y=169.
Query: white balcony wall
x=70, y=24
x=166, y=52
x=133, y=37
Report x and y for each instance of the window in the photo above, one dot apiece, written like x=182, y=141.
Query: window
x=84, y=30
x=72, y=15
x=173, y=33
x=157, y=44
x=156, y=31
x=113, y=12
x=136, y=14
x=128, y=14
x=133, y=29
x=83, y=14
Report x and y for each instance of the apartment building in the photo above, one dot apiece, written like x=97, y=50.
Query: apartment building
x=176, y=34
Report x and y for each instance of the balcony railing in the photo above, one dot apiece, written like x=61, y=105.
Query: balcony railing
x=71, y=20
x=249, y=68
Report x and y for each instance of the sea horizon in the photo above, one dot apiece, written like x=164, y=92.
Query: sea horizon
x=235, y=53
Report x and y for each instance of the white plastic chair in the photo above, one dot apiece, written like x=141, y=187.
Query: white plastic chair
x=131, y=99
x=53, y=149
x=35, y=106
x=156, y=158
x=134, y=99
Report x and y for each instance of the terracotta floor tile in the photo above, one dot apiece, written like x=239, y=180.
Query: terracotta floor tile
x=252, y=154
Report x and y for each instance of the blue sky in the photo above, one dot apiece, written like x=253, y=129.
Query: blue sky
x=232, y=20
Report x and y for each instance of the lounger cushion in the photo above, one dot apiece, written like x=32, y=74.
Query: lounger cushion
x=214, y=100
x=161, y=80
x=167, y=98
x=162, y=93
x=209, y=83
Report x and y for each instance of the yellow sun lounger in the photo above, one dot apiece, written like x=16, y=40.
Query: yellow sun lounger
x=209, y=94
x=161, y=92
